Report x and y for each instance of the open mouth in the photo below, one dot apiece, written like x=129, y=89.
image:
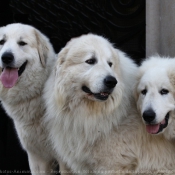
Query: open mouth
x=157, y=128
x=10, y=75
x=100, y=96
x=22, y=68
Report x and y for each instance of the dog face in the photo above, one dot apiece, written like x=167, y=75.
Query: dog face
x=89, y=63
x=23, y=50
x=156, y=95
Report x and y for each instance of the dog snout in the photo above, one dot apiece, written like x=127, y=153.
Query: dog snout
x=149, y=115
x=110, y=81
x=7, y=58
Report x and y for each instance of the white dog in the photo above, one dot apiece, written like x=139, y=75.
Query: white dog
x=156, y=95
x=26, y=58
x=92, y=117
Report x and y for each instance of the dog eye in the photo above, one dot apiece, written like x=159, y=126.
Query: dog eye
x=144, y=92
x=164, y=91
x=91, y=61
x=110, y=64
x=22, y=43
x=2, y=42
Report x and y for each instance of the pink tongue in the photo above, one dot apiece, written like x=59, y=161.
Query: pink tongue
x=9, y=77
x=152, y=129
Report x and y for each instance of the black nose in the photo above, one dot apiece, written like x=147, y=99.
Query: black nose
x=7, y=57
x=110, y=81
x=149, y=115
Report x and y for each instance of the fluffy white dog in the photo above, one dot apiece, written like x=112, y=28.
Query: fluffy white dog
x=26, y=58
x=91, y=113
x=156, y=95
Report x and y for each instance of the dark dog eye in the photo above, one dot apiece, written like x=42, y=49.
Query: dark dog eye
x=2, y=42
x=144, y=92
x=110, y=64
x=22, y=43
x=91, y=61
x=164, y=91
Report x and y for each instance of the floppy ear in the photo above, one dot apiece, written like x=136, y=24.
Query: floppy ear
x=135, y=93
x=62, y=55
x=64, y=51
x=43, y=46
x=171, y=75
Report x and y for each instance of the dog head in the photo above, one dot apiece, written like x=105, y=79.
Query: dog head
x=89, y=63
x=156, y=94
x=22, y=50
x=90, y=72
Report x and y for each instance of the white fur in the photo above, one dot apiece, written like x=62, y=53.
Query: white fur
x=94, y=136
x=23, y=102
x=155, y=74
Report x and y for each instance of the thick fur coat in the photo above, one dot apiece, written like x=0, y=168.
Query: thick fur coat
x=26, y=59
x=95, y=129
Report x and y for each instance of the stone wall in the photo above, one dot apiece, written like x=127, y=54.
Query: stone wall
x=160, y=27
